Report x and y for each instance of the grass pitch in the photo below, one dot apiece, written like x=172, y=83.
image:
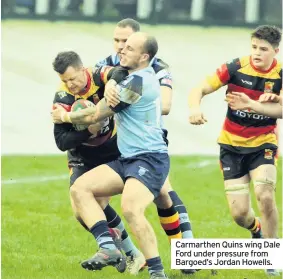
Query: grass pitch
x=42, y=240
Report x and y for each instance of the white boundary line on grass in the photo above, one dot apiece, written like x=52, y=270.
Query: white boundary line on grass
x=34, y=179
x=42, y=179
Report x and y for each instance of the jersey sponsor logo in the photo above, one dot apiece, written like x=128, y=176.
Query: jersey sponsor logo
x=246, y=82
x=268, y=87
x=268, y=154
x=62, y=94
x=249, y=115
x=226, y=169
x=76, y=164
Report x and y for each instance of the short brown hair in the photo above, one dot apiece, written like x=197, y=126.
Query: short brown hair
x=150, y=46
x=271, y=34
x=65, y=59
x=129, y=22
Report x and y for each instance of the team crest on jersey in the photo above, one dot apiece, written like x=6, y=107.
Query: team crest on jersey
x=268, y=87
x=268, y=153
x=62, y=94
x=142, y=171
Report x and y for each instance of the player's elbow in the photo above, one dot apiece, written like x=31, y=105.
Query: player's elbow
x=61, y=146
x=166, y=109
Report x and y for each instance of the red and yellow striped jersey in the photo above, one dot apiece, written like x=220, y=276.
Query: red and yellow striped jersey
x=94, y=92
x=246, y=131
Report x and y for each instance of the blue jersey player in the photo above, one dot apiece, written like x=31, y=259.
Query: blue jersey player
x=140, y=172
x=167, y=216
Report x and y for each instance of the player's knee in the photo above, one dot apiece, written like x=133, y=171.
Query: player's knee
x=240, y=214
x=103, y=202
x=266, y=184
x=265, y=195
x=76, y=190
x=163, y=200
x=131, y=211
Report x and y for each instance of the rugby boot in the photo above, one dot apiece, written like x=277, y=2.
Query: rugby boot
x=103, y=258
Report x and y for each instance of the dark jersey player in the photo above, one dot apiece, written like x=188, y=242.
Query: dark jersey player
x=96, y=145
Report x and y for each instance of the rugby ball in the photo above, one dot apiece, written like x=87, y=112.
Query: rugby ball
x=78, y=105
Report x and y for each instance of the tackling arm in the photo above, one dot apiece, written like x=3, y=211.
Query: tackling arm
x=90, y=115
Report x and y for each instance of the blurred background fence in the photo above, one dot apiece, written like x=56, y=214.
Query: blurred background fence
x=193, y=12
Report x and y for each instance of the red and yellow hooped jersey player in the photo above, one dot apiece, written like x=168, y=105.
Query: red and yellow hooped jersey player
x=245, y=132
x=96, y=78
x=84, y=149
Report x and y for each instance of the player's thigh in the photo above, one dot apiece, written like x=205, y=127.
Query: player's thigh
x=263, y=172
x=135, y=198
x=77, y=170
x=262, y=166
x=101, y=181
x=167, y=187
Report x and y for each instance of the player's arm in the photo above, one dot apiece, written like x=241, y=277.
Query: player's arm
x=240, y=101
x=273, y=110
x=103, y=74
x=210, y=85
x=130, y=93
x=91, y=115
x=165, y=80
x=65, y=136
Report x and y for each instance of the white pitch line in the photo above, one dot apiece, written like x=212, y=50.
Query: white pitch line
x=42, y=179
x=34, y=179
x=201, y=164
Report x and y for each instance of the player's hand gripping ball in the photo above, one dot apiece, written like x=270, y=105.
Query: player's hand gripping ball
x=78, y=105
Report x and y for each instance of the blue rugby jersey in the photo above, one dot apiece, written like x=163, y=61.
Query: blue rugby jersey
x=138, y=115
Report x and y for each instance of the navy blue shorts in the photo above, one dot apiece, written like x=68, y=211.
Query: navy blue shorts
x=149, y=168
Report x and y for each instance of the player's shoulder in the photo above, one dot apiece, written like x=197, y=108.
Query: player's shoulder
x=245, y=61
x=159, y=65
x=278, y=68
x=236, y=64
x=133, y=82
x=161, y=69
x=63, y=95
x=145, y=75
